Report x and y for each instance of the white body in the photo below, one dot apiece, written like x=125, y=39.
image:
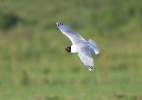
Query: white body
x=91, y=43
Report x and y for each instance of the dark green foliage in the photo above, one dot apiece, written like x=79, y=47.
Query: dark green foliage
x=8, y=20
x=120, y=67
x=25, y=78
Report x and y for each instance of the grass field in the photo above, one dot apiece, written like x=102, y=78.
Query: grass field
x=32, y=66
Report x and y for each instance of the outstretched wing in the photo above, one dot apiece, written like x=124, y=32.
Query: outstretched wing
x=73, y=36
x=85, y=56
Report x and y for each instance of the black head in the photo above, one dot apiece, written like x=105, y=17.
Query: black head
x=68, y=49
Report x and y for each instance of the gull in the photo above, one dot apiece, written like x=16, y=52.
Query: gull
x=79, y=45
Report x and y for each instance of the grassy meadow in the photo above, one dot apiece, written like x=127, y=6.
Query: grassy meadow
x=32, y=66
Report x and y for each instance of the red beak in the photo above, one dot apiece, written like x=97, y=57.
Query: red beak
x=64, y=51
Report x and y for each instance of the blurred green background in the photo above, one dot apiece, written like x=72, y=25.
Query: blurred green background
x=32, y=66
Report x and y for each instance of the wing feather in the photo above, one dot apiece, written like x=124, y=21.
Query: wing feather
x=73, y=36
x=85, y=56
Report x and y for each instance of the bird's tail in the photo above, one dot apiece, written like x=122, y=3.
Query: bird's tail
x=94, y=47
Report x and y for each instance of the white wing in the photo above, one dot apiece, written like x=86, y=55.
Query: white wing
x=73, y=36
x=85, y=56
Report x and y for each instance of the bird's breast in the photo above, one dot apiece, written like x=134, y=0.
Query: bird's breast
x=74, y=49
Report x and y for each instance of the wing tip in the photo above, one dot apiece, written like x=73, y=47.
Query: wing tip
x=59, y=23
x=90, y=68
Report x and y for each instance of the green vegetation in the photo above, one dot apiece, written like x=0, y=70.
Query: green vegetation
x=32, y=66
